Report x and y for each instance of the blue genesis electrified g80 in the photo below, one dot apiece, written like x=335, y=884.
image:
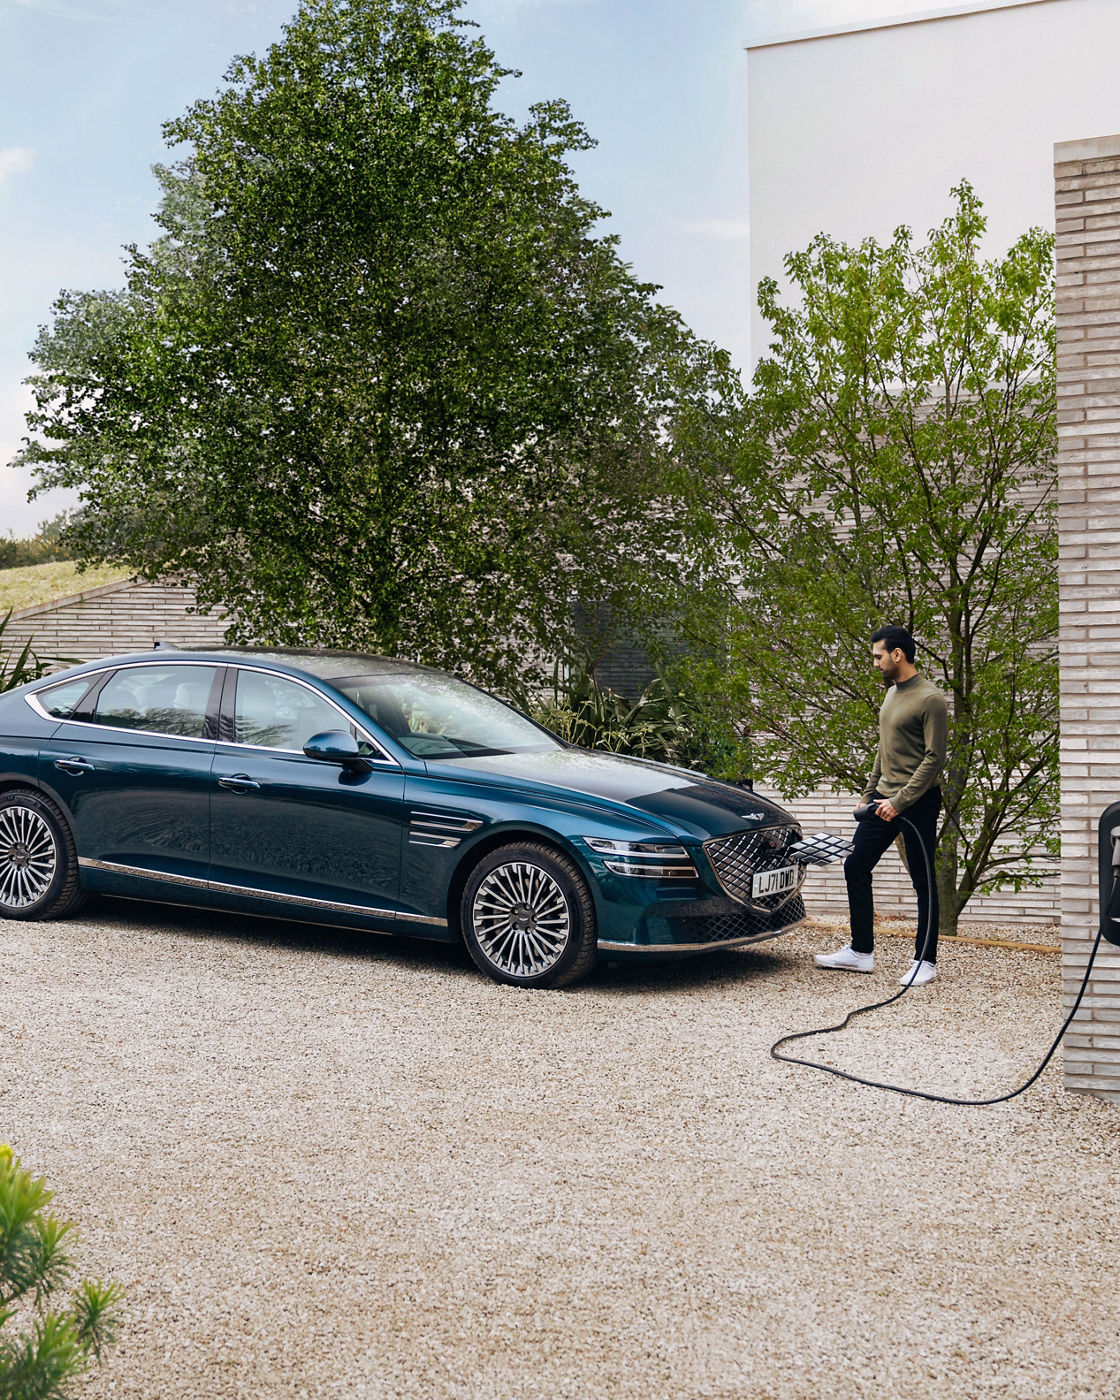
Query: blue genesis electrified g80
x=378, y=795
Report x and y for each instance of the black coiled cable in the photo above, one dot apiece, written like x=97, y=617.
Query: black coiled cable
x=874, y=1006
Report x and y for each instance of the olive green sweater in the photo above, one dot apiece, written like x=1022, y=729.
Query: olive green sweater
x=913, y=732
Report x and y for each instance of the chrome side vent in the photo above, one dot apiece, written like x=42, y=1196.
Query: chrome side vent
x=440, y=829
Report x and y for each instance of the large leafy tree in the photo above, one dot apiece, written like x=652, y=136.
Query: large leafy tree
x=382, y=382
x=897, y=464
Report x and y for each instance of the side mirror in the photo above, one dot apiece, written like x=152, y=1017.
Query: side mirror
x=337, y=746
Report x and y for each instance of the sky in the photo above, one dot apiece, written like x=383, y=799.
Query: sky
x=661, y=84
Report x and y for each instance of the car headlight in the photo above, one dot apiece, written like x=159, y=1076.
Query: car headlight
x=651, y=860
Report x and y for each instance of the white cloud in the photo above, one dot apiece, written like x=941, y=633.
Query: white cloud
x=728, y=230
x=15, y=160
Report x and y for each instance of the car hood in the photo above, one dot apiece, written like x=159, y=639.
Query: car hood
x=696, y=804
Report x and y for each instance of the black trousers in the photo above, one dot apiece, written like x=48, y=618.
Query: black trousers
x=871, y=840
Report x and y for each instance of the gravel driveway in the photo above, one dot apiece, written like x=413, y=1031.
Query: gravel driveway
x=328, y=1166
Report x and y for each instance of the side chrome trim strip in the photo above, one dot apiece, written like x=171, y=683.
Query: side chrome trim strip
x=300, y=901
x=608, y=947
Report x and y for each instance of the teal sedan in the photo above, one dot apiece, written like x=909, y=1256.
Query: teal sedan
x=377, y=795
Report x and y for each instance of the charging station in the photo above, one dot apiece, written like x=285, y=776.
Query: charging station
x=1108, y=873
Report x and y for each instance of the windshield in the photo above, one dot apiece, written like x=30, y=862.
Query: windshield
x=435, y=716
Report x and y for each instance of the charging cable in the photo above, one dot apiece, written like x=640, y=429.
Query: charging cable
x=867, y=814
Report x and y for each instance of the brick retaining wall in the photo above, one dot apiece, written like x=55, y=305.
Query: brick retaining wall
x=115, y=618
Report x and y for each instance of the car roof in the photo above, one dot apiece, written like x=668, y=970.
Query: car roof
x=322, y=663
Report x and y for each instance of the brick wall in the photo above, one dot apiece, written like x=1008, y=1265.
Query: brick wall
x=116, y=618
x=1087, y=191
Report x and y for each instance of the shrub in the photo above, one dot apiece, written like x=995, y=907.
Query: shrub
x=45, y=547
x=17, y=668
x=667, y=724
x=56, y=1344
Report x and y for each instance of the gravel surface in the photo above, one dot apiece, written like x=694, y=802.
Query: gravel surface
x=333, y=1166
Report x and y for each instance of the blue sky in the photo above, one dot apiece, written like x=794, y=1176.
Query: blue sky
x=661, y=84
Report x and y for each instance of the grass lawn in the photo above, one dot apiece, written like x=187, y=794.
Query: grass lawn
x=43, y=583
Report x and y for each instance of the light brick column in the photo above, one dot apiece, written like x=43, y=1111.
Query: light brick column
x=1087, y=184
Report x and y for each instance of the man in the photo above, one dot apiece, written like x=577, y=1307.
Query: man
x=913, y=730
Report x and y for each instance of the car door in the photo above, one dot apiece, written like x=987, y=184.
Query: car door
x=131, y=768
x=288, y=827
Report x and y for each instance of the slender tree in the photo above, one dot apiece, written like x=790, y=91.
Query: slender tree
x=897, y=464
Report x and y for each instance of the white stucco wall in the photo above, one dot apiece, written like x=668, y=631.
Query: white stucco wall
x=855, y=133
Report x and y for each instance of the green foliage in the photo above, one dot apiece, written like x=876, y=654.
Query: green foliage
x=897, y=464
x=381, y=384
x=46, y=546
x=665, y=724
x=59, y=1337
x=17, y=668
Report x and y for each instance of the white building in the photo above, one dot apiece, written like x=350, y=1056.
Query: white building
x=854, y=131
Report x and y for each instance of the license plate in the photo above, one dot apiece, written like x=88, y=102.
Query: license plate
x=774, y=881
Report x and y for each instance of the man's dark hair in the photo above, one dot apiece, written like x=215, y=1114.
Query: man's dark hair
x=896, y=639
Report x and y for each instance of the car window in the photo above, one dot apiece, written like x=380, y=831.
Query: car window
x=62, y=700
x=436, y=716
x=278, y=713
x=158, y=699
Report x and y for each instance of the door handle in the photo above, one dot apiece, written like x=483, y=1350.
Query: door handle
x=73, y=766
x=240, y=782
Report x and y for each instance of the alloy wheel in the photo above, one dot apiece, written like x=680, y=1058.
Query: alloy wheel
x=521, y=919
x=28, y=857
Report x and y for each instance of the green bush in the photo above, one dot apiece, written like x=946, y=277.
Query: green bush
x=56, y=1344
x=18, y=667
x=44, y=547
x=667, y=723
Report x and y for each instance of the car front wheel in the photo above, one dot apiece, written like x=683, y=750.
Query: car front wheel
x=38, y=863
x=528, y=917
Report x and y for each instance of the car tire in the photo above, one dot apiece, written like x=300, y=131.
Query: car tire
x=528, y=918
x=38, y=862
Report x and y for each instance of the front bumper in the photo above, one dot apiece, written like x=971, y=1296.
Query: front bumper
x=650, y=917
x=705, y=924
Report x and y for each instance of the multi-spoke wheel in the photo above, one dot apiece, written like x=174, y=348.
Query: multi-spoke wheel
x=528, y=917
x=38, y=865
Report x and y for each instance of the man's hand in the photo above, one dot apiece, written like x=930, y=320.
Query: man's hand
x=887, y=810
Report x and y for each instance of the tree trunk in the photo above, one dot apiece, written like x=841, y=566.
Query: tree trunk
x=948, y=896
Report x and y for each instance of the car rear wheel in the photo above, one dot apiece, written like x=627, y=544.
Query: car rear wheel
x=528, y=917
x=38, y=863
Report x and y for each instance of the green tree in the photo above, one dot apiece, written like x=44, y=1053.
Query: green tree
x=60, y=1342
x=44, y=547
x=897, y=464
x=381, y=383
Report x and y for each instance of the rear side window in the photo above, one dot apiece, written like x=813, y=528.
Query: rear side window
x=62, y=700
x=157, y=699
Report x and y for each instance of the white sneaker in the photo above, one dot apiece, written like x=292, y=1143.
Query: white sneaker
x=918, y=974
x=847, y=959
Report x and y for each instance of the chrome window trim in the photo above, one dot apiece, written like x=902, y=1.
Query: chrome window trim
x=219, y=887
x=386, y=759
